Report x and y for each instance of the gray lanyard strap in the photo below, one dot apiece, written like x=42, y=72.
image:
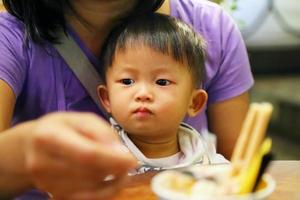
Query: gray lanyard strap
x=81, y=67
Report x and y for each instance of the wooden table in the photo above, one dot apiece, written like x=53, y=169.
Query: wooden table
x=285, y=173
x=287, y=177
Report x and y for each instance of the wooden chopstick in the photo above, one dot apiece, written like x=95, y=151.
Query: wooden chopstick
x=251, y=136
x=240, y=147
x=259, y=131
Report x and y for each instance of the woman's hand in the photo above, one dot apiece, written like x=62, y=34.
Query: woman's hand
x=70, y=154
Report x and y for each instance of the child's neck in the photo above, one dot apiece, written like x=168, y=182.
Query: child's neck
x=156, y=149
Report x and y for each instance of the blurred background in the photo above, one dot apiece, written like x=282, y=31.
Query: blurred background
x=271, y=30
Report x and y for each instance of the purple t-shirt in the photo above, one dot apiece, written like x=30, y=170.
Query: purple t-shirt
x=43, y=83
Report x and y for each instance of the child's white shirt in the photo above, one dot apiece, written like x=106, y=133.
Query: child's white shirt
x=194, y=149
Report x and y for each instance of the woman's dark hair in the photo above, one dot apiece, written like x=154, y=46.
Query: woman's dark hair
x=43, y=18
x=161, y=33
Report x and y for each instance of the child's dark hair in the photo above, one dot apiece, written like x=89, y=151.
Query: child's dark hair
x=162, y=33
x=44, y=18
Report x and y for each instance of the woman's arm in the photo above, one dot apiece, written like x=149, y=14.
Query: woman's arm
x=10, y=179
x=225, y=120
x=7, y=99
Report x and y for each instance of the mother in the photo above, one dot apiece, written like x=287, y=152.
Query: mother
x=67, y=153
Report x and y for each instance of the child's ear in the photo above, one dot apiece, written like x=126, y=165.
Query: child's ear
x=199, y=99
x=104, y=97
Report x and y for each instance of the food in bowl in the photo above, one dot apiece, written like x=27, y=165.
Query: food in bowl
x=204, y=182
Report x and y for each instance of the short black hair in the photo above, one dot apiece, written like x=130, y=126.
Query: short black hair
x=162, y=33
x=44, y=18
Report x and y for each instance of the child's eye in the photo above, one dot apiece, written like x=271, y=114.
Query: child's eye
x=163, y=82
x=127, y=81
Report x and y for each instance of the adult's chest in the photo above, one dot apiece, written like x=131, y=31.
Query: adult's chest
x=51, y=86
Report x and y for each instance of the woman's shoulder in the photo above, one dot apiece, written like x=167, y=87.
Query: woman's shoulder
x=12, y=57
x=194, y=8
x=13, y=37
x=17, y=54
x=196, y=3
x=9, y=24
x=201, y=14
x=12, y=33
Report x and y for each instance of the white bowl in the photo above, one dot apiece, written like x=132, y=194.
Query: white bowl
x=160, y=182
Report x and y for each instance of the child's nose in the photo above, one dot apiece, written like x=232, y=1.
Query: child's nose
x=144, y=94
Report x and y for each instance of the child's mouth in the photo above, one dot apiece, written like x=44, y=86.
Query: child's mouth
x=143, y=112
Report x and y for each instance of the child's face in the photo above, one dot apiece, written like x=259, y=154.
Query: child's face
x=149, y=93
